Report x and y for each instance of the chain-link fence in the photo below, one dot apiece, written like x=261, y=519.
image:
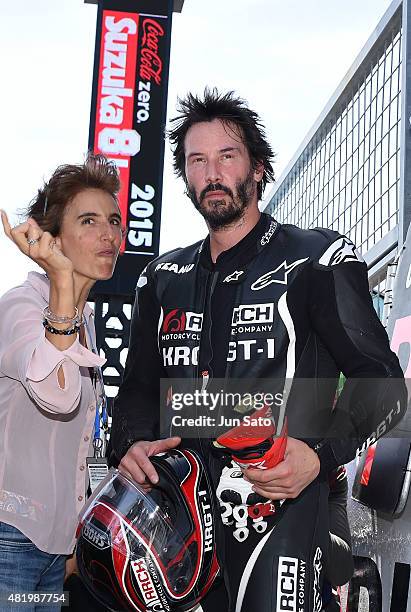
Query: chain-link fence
x=346, y=174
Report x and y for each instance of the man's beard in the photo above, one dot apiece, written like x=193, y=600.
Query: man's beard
x=219, y=213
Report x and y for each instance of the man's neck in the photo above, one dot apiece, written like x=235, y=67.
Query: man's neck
x=228, y=236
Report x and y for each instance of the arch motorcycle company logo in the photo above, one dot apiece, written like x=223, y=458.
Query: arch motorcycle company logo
x=178, y=320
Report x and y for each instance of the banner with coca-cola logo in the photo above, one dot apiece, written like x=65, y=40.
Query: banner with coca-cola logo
x=128, y=114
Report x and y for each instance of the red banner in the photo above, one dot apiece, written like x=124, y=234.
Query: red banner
x=114, y=135
x=128, y=115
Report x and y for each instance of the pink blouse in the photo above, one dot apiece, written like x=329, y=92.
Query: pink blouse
x=45, y=431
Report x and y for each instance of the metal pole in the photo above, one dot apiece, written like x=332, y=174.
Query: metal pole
x=405, y=172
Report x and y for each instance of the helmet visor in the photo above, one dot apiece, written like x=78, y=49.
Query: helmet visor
x=146, y=529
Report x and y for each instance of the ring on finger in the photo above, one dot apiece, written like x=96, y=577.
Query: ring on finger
x=32, y=241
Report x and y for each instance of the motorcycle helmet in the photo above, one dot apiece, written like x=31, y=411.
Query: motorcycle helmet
x=150, y=550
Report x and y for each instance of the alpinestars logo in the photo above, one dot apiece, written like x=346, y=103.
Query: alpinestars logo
x=318, y=602
x=268, y=235
x=340, y=251
x=234, y=276
x=279, y=275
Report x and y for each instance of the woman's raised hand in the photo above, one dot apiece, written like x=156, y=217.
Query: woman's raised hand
x=40, y=246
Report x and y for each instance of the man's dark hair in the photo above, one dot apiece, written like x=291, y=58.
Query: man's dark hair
x=229, y=109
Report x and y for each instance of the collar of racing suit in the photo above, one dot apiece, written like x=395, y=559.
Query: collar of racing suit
x=244, y=251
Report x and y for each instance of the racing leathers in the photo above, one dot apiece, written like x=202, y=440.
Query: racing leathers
x=283, y=304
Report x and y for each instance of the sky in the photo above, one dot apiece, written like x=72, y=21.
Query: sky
x=285, y=58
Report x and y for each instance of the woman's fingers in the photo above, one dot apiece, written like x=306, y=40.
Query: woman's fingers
x=34, y=224
x=27, y=236
x=18, y=235
x=34, y=237
x=44, y=244
x=6, y=224
x=13, y=232
x=40, y=246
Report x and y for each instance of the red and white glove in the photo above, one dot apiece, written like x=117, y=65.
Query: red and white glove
x=255, y=445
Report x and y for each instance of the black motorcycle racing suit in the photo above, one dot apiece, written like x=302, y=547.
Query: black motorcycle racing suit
x=283, y=304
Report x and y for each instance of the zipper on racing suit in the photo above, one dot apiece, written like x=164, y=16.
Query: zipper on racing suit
x=206, y=372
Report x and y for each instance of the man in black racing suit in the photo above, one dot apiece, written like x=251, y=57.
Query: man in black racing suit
x=259, y=300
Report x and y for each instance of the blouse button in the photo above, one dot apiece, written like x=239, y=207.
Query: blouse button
x=81, y=468
x=80, y=498
x=86, y=438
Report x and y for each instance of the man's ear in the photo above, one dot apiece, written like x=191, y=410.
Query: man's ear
x=258, y=171
x=58, y=241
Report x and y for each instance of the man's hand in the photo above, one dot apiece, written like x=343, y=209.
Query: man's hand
x=136, y=463
x=71, y=567
x=286, y=480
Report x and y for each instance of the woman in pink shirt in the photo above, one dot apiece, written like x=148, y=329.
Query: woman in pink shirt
x=48, y=390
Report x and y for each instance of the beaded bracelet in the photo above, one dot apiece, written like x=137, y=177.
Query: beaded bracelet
x=61, y=332
x=53, y=318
